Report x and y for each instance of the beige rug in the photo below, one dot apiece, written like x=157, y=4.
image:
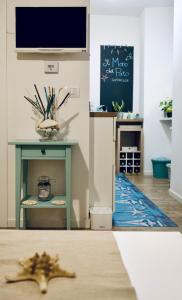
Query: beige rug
x=92, y=255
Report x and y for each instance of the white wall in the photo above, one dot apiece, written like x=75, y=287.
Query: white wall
x=102, y=161
x=176, y=183
x=23, y=70
x=152, y=36
x=142, y=43
x=3, y=118
x=157, y=81
x=113, y=30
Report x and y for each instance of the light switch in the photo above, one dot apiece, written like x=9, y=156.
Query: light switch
x=51, y=67
x=74, y=92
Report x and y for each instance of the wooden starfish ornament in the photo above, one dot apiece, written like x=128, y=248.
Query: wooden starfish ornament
x=40, y=268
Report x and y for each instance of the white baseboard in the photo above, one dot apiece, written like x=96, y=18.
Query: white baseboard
x=85, y=224
x=175, y=195
x=11, y=223
x=147, y=173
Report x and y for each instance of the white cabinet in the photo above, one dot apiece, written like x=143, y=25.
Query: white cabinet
x=102, y=161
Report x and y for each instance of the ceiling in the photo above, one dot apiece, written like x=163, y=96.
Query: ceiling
x=125, y=7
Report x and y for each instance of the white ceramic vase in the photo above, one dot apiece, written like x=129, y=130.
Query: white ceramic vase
x=120, y=115
x=47, y=129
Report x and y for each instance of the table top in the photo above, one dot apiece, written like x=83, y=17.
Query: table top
x=136, y=120
x=43, y=142
x=103, y=114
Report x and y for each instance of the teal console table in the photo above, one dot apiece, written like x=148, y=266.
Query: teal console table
x=41, y=150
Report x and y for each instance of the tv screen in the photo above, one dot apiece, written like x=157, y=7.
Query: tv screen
x=51, y=27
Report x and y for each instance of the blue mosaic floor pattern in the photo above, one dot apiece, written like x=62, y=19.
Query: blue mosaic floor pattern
x=134, y=209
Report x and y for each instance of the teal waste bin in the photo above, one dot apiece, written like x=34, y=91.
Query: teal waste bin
x=169, y=170
x=160, y=169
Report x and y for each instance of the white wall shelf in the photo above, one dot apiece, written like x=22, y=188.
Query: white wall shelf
x=166, y=119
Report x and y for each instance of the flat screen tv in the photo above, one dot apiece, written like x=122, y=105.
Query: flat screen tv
x=51, y=28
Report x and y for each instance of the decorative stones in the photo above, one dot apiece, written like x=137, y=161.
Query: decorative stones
x=30, y=202
x=45, y=110
x=58, y=202
x=47, y=128
x=49, y=124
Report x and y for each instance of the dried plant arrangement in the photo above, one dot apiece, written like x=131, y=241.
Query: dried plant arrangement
x=45, y=111
x=40, y=268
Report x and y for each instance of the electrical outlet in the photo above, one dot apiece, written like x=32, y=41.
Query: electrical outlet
x=51, y=67
x=74, y=92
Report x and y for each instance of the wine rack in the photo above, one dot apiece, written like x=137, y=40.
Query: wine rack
x=130, y=162
x=130, y=146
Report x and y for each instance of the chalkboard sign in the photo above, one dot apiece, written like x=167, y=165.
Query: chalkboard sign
x=116, y=81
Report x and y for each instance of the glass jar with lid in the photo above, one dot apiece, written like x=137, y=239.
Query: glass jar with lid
x=44, y=188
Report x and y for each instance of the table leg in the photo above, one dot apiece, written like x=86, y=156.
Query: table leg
x=18, y=185
x=68, y=186
x=25, y=180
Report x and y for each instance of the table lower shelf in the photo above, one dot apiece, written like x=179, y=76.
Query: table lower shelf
x=44, y=204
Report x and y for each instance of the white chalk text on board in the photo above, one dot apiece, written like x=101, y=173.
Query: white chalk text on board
x=117, y=75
